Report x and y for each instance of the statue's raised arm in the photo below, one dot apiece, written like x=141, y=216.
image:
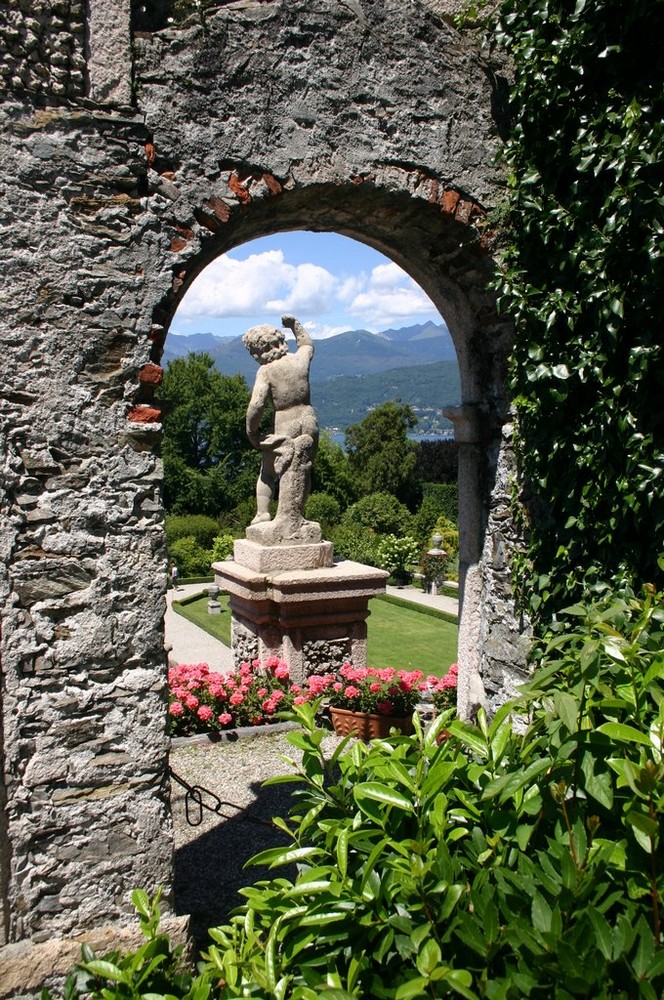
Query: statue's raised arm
x=302, y=338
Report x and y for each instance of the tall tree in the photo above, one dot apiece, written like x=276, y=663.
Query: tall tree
x=209, y=465
x=380, y=454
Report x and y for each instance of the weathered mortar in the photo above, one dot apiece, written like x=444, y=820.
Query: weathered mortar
x=370, y=118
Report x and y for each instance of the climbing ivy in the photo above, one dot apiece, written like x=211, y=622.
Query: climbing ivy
x=582, y=279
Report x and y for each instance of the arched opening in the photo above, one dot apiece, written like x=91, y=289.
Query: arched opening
x=380, y=343
x=440, y=239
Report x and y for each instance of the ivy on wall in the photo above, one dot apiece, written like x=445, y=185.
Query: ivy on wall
x=583, y=280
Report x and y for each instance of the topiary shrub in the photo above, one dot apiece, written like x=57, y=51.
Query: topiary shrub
x=381, y=512
x=203, y=529
x=355, y=542
x=325, y=509
x=190, y=558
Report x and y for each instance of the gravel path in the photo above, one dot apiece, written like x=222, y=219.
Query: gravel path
x=210, y=857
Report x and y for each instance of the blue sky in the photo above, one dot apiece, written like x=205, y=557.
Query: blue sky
x=331, y=283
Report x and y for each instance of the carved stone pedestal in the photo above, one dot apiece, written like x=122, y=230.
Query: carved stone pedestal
x=313, y=618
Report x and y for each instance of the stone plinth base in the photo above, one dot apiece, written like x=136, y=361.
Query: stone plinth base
x=271, y=558
x=314, y=619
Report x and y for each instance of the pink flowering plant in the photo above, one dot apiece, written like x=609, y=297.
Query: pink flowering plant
x=444, y=689
x=380, y=691
x=202, y=700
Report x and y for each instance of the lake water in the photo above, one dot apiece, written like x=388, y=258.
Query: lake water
x=339, y=437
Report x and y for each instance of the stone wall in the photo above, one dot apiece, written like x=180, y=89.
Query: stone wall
x=372, y=119
x=83, y=573
x=43, y=45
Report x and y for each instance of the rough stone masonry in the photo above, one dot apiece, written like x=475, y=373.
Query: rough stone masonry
x=131, y=159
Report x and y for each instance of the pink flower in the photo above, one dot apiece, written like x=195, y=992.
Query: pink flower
x=352, y=692
x=175, y=708
x=261, y=692
x=205, y=713
x=191, y=701
x=449, y=681
x=236, y=698
x=269, y=706
x=281, y=672
x=277, y=695
x=337, y=686
x=225, y=719
x=299, y=700
x=375, y=687
x=295, y=689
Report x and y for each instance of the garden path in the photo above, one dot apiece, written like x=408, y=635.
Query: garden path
x=186, y=642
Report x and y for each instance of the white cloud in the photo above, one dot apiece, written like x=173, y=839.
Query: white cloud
x=260, y=285
x=266, y=285
x=389, y=297
x=312, y=291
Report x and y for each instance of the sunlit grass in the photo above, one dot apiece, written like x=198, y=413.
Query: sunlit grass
x=402, y=637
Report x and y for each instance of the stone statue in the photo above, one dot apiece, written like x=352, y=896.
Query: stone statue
x=288, y=453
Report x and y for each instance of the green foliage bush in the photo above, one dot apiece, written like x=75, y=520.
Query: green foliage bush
x=582, y=280
x=222, y=547
x=398, y=554
x=439, y=500
x=190, y=558
x=354, y=541
x=381, y=512
x=203, y=529
x=449, y=533
x=325, y=509
x=495, y=865
x=504, y=862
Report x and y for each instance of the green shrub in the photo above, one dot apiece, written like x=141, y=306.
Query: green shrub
x=398, y=555
x=203, y=529
x=222, y=547
x=450, y=536
x=325, y=509
x=381, y=512
x=355, y=542
x=446, y=496
x=156, y=969
x=495, y=865
x=190, y=558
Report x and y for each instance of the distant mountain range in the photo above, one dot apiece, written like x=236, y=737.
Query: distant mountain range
x=355, y=371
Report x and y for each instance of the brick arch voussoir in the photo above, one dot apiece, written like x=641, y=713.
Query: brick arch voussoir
x=435, y=230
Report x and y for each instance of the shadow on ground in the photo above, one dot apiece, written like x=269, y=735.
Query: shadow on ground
x=210, y=869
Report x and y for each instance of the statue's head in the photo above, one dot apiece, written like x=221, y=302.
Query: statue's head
x=265, y=343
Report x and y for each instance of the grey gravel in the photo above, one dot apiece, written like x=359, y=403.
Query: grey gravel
x=210, y=857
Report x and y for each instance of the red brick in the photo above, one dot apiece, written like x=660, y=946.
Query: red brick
x=151, y=374
x=144, y=415
x=238, y=189
x=450, y=200
x=273, y=185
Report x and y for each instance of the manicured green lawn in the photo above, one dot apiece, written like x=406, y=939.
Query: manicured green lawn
x=401, y=637
x=217, y=625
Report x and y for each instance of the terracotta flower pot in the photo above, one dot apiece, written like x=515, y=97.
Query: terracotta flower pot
x=367, y=726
